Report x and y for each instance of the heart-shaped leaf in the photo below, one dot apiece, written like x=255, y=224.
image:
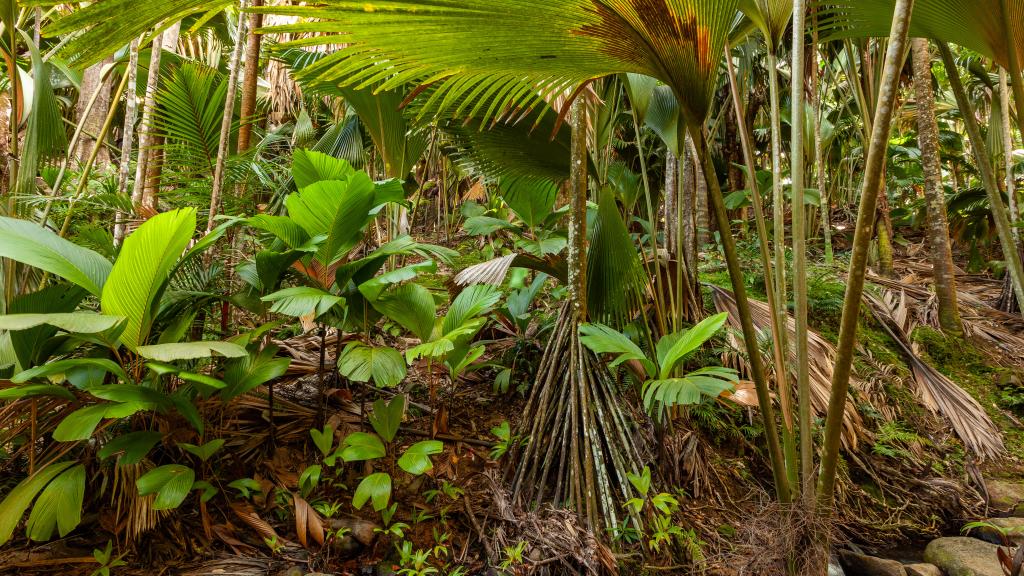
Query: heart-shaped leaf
x=416, y=459
x=375, y=487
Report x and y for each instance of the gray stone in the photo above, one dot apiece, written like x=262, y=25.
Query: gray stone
x=962, y=556
x=1006, y=496
x=923, y=570
x=863, y=565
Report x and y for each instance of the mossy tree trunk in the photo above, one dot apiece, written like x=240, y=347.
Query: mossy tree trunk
x=935, y=197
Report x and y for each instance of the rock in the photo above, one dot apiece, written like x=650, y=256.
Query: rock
x=862, y=565
x=923, y=570
x=1006, y=496
x=962, y=556
x=834, y=569
x=361, y=530
x=1011, y=528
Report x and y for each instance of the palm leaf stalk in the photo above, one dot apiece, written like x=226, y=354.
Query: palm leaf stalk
x=988, y=178
x=871, y=188
x=800, y=248
x=229, y=114
x=778, y=328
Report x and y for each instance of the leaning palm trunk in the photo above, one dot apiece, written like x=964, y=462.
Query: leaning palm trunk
x=943, y=270
x=872, y=187
x=1011, y=180
x=581, y=445
x=250, y=81
x=1004, y=227
x=225, y=125
x=819, y=151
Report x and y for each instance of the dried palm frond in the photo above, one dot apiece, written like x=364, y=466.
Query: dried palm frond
x=821, y=353
x=494, y=271
x=937, y=392
x=133, y=515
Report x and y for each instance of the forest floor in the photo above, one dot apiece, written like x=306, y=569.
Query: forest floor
x=907, y=479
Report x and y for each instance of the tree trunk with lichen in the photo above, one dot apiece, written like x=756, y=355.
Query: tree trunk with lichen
x=671, y=203
x=935, y=201
x=92, y=118
x=577, y=253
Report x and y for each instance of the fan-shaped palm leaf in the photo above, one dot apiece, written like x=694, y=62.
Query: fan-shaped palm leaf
x=463, y=45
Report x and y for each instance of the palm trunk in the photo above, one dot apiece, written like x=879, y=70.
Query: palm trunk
x=872, y=186
x=91, y=118
x=251, y=80
x=778, y=461
x=796, y=163
x=145, y=127
x=687, y=204
x=130, y=114
x=225, y=126
x=671, y=203
x=778, y=206
x=999, y=213
x=938, y=228
x=577, y=254
x=1011, y=180
x=819, y=152
x=778, y=352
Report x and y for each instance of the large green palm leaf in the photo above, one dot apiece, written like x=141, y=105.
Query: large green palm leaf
x=461, y=46
x=974, y=24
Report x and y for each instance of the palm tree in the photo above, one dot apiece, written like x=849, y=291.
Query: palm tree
x=474, y=51
x=943, y=271
x=871, y=188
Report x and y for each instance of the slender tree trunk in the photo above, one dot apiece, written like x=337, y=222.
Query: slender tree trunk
x=145, y=127
x=225, y=127
x=251, y=79
x=983, y=160
x=778, y=199
x=1011, y=178
x=778, y=461
x=819, y=151
x=702, y=220
x=938, y=228
x=577, y=253
x=687, y=202
x=671, y=203
x=872, y=186
x=127, y=140
x=796, y=162
x=91, y=119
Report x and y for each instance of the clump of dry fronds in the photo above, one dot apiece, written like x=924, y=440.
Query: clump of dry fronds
x=776, y=535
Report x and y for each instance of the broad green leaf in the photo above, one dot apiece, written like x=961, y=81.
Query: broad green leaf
x=142, y=270
x=130, y=448
x=375, y=487
x=412, y=306
x=485, y=225
x=531, y=200
x=171, y=483
x=251, y=371
x=190, y=350
x=324, y=440
x=359, y=446
x=474, y=301
x=310, y=167
x=282, y=227
x=77, y=322
x=205, y=451
x=361, y=363
x=13, y=506
x=688, y=342
x=58, y=506
x=131, y=393
x=32, y=346
x=60, y=367
x=339, y=209
x=302, y=301
x=433, y=349
x=209, y=490
x=31, y=390
x=372, y=288
x=604, y=340
x=387, y=416
x=416, y=459
x=27, y=243
x=80, y=424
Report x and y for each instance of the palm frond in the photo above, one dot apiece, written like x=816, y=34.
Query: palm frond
x=979, y=23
